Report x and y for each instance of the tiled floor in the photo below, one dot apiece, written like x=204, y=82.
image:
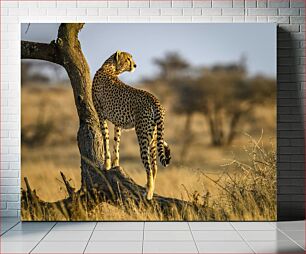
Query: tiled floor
x=152, y=237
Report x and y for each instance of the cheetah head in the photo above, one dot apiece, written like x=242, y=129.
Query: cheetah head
x=124, y=62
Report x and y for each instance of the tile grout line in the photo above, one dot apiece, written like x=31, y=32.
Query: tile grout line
x=42, y=238
x=193, y=237
x=247, y=243
x=290, y=238
x=143, y=232
x=90, y=237
x=282, y=231
x=273, y=225
x=10, y=228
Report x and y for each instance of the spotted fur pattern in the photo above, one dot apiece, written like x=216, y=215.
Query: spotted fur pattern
x=127, y=107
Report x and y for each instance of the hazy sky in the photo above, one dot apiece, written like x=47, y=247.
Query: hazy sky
x=199, y=44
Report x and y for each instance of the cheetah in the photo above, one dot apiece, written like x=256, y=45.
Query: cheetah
x=127, y=108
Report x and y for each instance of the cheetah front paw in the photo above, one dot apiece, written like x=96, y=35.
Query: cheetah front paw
x=108, y=165
x=149, y=195
x=115, y=163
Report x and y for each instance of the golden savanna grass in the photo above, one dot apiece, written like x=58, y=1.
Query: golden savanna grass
x=235, y=182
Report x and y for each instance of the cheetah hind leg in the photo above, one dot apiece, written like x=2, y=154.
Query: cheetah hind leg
x=105, y=135
x=153, y=154
x=150, y=179
x=144, y=142
x=117, y=135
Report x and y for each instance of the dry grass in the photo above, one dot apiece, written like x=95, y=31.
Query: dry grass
x=247, y=194
x=250, y=192
x=197, y=179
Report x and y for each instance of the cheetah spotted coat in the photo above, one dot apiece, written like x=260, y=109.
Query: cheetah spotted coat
x=127, y=107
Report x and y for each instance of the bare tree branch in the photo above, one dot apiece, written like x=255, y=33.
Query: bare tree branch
x=40, y=51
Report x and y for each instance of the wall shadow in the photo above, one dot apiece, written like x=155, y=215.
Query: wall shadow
x=290, y=130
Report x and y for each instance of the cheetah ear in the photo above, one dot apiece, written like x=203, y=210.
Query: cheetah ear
x=117, y=55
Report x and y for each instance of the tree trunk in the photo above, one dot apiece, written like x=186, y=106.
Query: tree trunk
x=216, y=128
x=232, y=127
x=187, y=137
x=98, y=185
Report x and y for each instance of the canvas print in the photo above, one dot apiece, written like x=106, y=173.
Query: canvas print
x=148, y=122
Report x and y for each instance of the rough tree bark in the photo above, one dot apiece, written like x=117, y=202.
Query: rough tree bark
x=98, y=185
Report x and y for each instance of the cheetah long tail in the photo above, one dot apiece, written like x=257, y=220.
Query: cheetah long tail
x=162, y=147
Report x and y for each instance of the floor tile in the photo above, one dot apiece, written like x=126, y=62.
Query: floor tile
x=17, y=247
x=273, y=224
x=291, y=225
x=60, y=247
x=276, y=247
x=221, y=226
x=114, y=247
x=106, y=236
x=22, y=236
x=69, y=226
x=216, y=236
x=166, y=226
x=253, y=226
x=296, y=235
x=274, y=235
x=167, y=236
x=69, y=236
x=301, y=243
x=7, y=225
x=119, y=226
x=169, y=247
x=223, y=247
x=33, y=226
